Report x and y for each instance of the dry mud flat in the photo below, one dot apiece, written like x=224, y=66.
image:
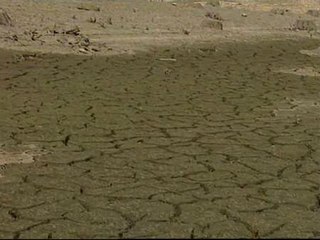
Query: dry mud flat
x=221, y=142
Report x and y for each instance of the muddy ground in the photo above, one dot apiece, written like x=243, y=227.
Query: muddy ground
x=216, y=144
x=198, y=135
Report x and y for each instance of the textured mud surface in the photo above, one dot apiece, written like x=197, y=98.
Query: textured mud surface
x=218, y=143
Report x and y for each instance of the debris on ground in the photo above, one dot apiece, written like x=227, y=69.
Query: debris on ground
x=186, y=31
x=313, y=13
x=73, y=31
x=83, y=50
x=279, y=11
x=5, y=19
x=168, y=59
x=213, y=15
x=13, y=37
x=102, y=24
x=35, y=35
x=26, y=57
x=53, y=30
x=88, y=7
x=213, y=24
x=94, y=49
x=304, y=25
x=92, y=20
x=109, y=20
x=83, y=41
x=214, y=3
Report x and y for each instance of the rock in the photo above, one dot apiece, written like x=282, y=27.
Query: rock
x=244, y=15
x=209, y=15
x=279, y=11
x=102, y=24
x=62, y=40
x=55, y=29
x=73, y=31
x=35, y=35
x=25, y=57
x=186, y=31
x=213, y=24
x=29, y=56
x=212, y=15
x=5, y=18
x=314, y=13
x=109, y=20
x=305, y=25
x=92, y=19
x=84, y=42
x=88, y=7
x=95, y=49
x=13, y=38
x=83, y=50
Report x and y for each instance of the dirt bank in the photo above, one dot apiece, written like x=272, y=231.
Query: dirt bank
x=117, y=27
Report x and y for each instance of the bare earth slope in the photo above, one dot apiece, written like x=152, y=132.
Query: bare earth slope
x=113, y=27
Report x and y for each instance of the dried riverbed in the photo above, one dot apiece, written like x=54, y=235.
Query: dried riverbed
x=219, y=143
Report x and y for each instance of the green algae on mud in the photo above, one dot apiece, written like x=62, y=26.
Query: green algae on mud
x=216, y=144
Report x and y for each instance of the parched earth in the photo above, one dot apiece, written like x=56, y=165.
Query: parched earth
x=206, y=141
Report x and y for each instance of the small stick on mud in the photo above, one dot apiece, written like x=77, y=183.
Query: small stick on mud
x=66, y=140
x=168, y=59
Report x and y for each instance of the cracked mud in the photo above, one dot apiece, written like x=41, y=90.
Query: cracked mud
x=218, y=143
